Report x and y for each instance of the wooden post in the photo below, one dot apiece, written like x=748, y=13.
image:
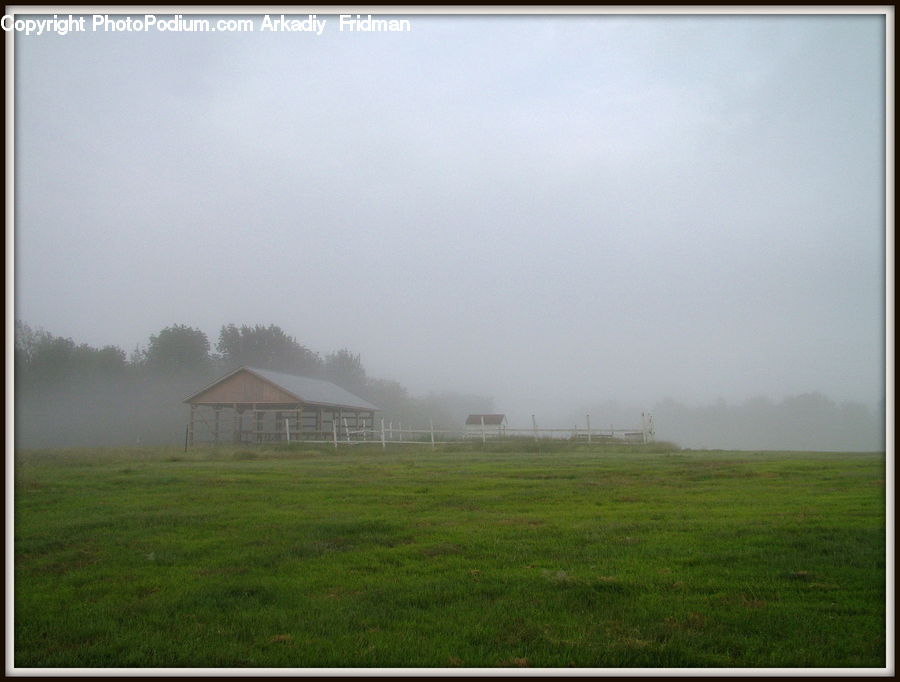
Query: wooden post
x=483, y=436
x=216, y=411
x=287, y=429
x=300, y=424
x=391, y=430
x=346, y=429
x=431, y=421
x=588, y=427
x=190, y=438
x=236, y=425
x=334, y=429
x=383, y=444
x=534, y=426
x=187, y=431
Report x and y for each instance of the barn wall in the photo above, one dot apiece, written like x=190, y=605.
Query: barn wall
x=244, y=387
x=226, y=425
x=490, y=430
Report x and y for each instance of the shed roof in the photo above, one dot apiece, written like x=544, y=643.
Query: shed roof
x=489, y=419
x=305, y=389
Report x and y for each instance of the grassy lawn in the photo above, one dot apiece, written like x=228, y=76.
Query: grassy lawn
x=561, y=557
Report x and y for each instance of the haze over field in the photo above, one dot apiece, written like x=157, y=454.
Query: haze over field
x=559, y=213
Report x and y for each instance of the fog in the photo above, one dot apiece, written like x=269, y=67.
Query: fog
x=556, y=215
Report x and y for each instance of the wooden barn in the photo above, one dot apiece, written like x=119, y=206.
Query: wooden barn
x=252, y=405
x=489, y=425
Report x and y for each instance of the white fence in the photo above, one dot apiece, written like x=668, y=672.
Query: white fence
x=388, y=432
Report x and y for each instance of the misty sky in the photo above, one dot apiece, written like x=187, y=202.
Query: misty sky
x=552, y=211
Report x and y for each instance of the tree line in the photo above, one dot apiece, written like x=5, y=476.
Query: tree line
x=76, y=394
x=809, y=421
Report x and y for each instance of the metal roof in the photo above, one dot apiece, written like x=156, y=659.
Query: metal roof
x=314, y=391
x=305, y=389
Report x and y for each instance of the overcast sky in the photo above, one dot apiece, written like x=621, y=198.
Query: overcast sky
x=546, y=210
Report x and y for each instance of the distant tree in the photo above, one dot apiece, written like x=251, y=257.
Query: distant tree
x=178, y=348
x=808, y=403
x=41, y=358
x=53, y=355
x=137, y=357
x=99, y=362
x=390, y=396
x=267, y=348
x=346, y=370
x=25, y=341
x=448, y=409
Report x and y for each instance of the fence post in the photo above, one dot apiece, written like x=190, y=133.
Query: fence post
x=287, y=428
x=383, y=444
x=187, y=430
x=483, y=437
x=534, y=426
x=589, y=427
x=346, y=430
x=431, y=421
x=334, y=430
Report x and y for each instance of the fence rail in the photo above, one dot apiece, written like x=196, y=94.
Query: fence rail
x=343, y=434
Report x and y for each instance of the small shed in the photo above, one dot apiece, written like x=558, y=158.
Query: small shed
x=251, y=405
x=492, y=425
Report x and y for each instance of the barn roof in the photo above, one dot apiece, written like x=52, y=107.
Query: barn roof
x=489, y=419
x=305, y=389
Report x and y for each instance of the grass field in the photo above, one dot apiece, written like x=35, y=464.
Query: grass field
x=561, y=556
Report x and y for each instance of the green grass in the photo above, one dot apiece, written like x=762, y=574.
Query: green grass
x=562, y=556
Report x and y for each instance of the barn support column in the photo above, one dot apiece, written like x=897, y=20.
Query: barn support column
x=300, y=423
x=216, y=411
x=320, y=428
x=237, y=425
x=190, y=437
